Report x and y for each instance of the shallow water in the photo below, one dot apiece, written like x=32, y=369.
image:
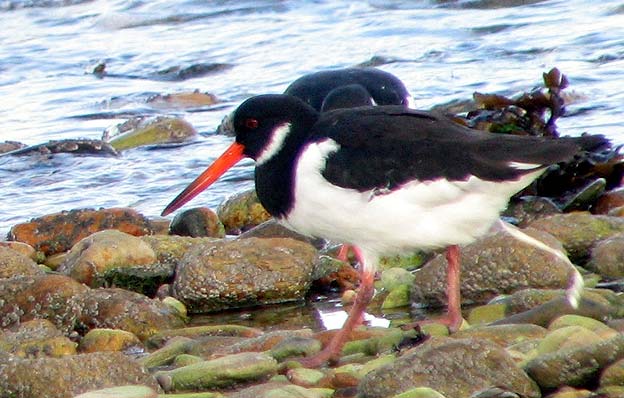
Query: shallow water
x=442, y=50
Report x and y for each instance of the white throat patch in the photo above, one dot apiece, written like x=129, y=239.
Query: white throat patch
x=275, y=144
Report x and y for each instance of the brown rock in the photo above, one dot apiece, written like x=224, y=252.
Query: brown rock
x=456, y=368
x=13, y=263
x=46, y=297
x=20, y=247
x=8, y=146
x=196, y=222
x=247, y=272
x=493, y=265
x=579, y=231
x=242, y=211
x=58, y=232
x=37, y=338
x=92, y=256
x=108, y=340
x=608, y=201
x=607, y=257
x=68, y=376
x=125, y=310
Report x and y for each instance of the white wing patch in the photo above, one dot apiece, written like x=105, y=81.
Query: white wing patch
x=275, y=144
x=524, y=166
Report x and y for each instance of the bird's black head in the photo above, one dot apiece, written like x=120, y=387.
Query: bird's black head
x=262, y=123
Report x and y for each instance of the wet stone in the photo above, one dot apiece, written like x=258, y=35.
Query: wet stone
x=607, y=258
x=108, y=340
x=158, y=130
x=472, y=364
x=218, y=373
x=14, y=263
x=242, y=211
x=579, y=231
x=503, y=335
x=197, y=222
x=90, y=258
x=50, y=297
x=58, y=232
x=240, y=273
x=121, y=309
x=35, y=339
x=486, y=267
x=145, y=280
x=69, y=376
x=575, y=366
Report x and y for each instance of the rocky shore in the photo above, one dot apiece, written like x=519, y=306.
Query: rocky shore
x=101, y=303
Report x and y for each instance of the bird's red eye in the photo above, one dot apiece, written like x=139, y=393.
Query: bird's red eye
x=251, y=123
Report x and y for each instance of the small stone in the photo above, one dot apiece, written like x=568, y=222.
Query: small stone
x=152, y=131
x=218, y=373
x=35, y=339
x=607, y=257
x=195, y=332
x=14, y=263
x=164, y=356
x=394, y=277
x=197, y=222
x=594, y=325
x=419, y=392
x=487, y=313
x=397, y=297
x=304, y=377
x=579, y=231
x=503, y=335
x=613, y=375
x=121, y=392
x=566, y=337
x=242, y=211
x=575, y=366
x=108, y=340
x=90, y=258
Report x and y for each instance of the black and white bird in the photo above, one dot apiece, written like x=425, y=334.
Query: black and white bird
x=386, y=179
x=350, y=87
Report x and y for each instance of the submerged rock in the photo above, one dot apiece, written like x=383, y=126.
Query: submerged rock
x=240, y=273
x=150, y=131
x=58, y=232
x=72, y=146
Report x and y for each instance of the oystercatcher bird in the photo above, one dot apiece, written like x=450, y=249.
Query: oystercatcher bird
x=348, y=88
x=386, y=179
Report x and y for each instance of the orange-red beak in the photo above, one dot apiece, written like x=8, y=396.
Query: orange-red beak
x=229, y=158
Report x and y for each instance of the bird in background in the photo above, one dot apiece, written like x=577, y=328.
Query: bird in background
x=386, y=179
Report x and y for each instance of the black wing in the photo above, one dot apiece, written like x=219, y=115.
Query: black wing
x=385, y=147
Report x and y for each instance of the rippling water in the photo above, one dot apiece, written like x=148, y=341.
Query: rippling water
x=442, y=50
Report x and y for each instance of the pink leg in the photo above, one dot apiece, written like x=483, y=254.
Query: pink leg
x=364, y=295
x=453, y=289
x=453, y=318
x=343, y=253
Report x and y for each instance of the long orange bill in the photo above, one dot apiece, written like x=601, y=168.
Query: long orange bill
x=229, y=158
